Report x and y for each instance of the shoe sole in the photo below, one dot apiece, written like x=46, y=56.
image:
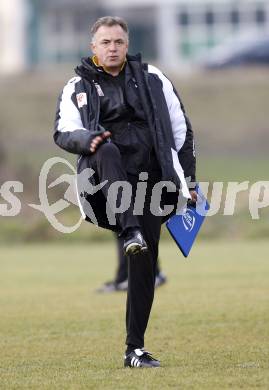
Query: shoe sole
x=134, y=249
x=126, y=365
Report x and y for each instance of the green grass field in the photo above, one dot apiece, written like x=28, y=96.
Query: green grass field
x=209, y=324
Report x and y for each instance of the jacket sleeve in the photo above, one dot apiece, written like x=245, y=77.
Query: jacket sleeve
x=186, y=154
x=69, y=133
x=181, y=127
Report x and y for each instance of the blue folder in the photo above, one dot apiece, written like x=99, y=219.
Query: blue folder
x=185, y=226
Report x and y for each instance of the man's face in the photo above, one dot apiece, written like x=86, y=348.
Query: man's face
x=110, y=45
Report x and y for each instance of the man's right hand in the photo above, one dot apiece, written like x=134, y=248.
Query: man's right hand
x=98, y=140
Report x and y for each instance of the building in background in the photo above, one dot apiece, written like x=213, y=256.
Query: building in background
x=185, y=30
x=59, y=30
x=172, y=33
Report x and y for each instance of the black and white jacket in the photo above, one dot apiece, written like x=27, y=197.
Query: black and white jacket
x=77, y=122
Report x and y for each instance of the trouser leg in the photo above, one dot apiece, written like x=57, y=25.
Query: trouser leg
x=141, y=280
x=122, y=269
x=107, y=162
x=122, y=266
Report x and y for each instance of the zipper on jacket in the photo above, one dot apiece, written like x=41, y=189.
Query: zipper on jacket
x=97, y=108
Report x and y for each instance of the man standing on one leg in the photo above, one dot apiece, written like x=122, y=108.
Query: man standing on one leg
x=123, y=117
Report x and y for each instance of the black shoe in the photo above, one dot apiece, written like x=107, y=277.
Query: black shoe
x=110, y=287
x=160, y=279
x=107, y=287
x=122, y=286
x=140, y=358
x=134, y=243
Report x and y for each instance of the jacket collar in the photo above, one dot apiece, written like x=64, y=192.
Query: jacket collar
x=89, y=69
x=95, y=62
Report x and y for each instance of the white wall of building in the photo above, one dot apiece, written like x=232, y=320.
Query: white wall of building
x=13, y=35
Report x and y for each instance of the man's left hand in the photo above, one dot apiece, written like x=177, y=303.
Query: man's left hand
x=194, y=196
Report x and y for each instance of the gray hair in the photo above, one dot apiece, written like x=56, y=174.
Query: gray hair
x=109, y=21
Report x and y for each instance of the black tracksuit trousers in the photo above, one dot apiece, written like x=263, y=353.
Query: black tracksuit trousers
x=107, y=162
x=122, y=266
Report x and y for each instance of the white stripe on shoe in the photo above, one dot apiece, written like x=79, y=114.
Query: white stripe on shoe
x=135, y=362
